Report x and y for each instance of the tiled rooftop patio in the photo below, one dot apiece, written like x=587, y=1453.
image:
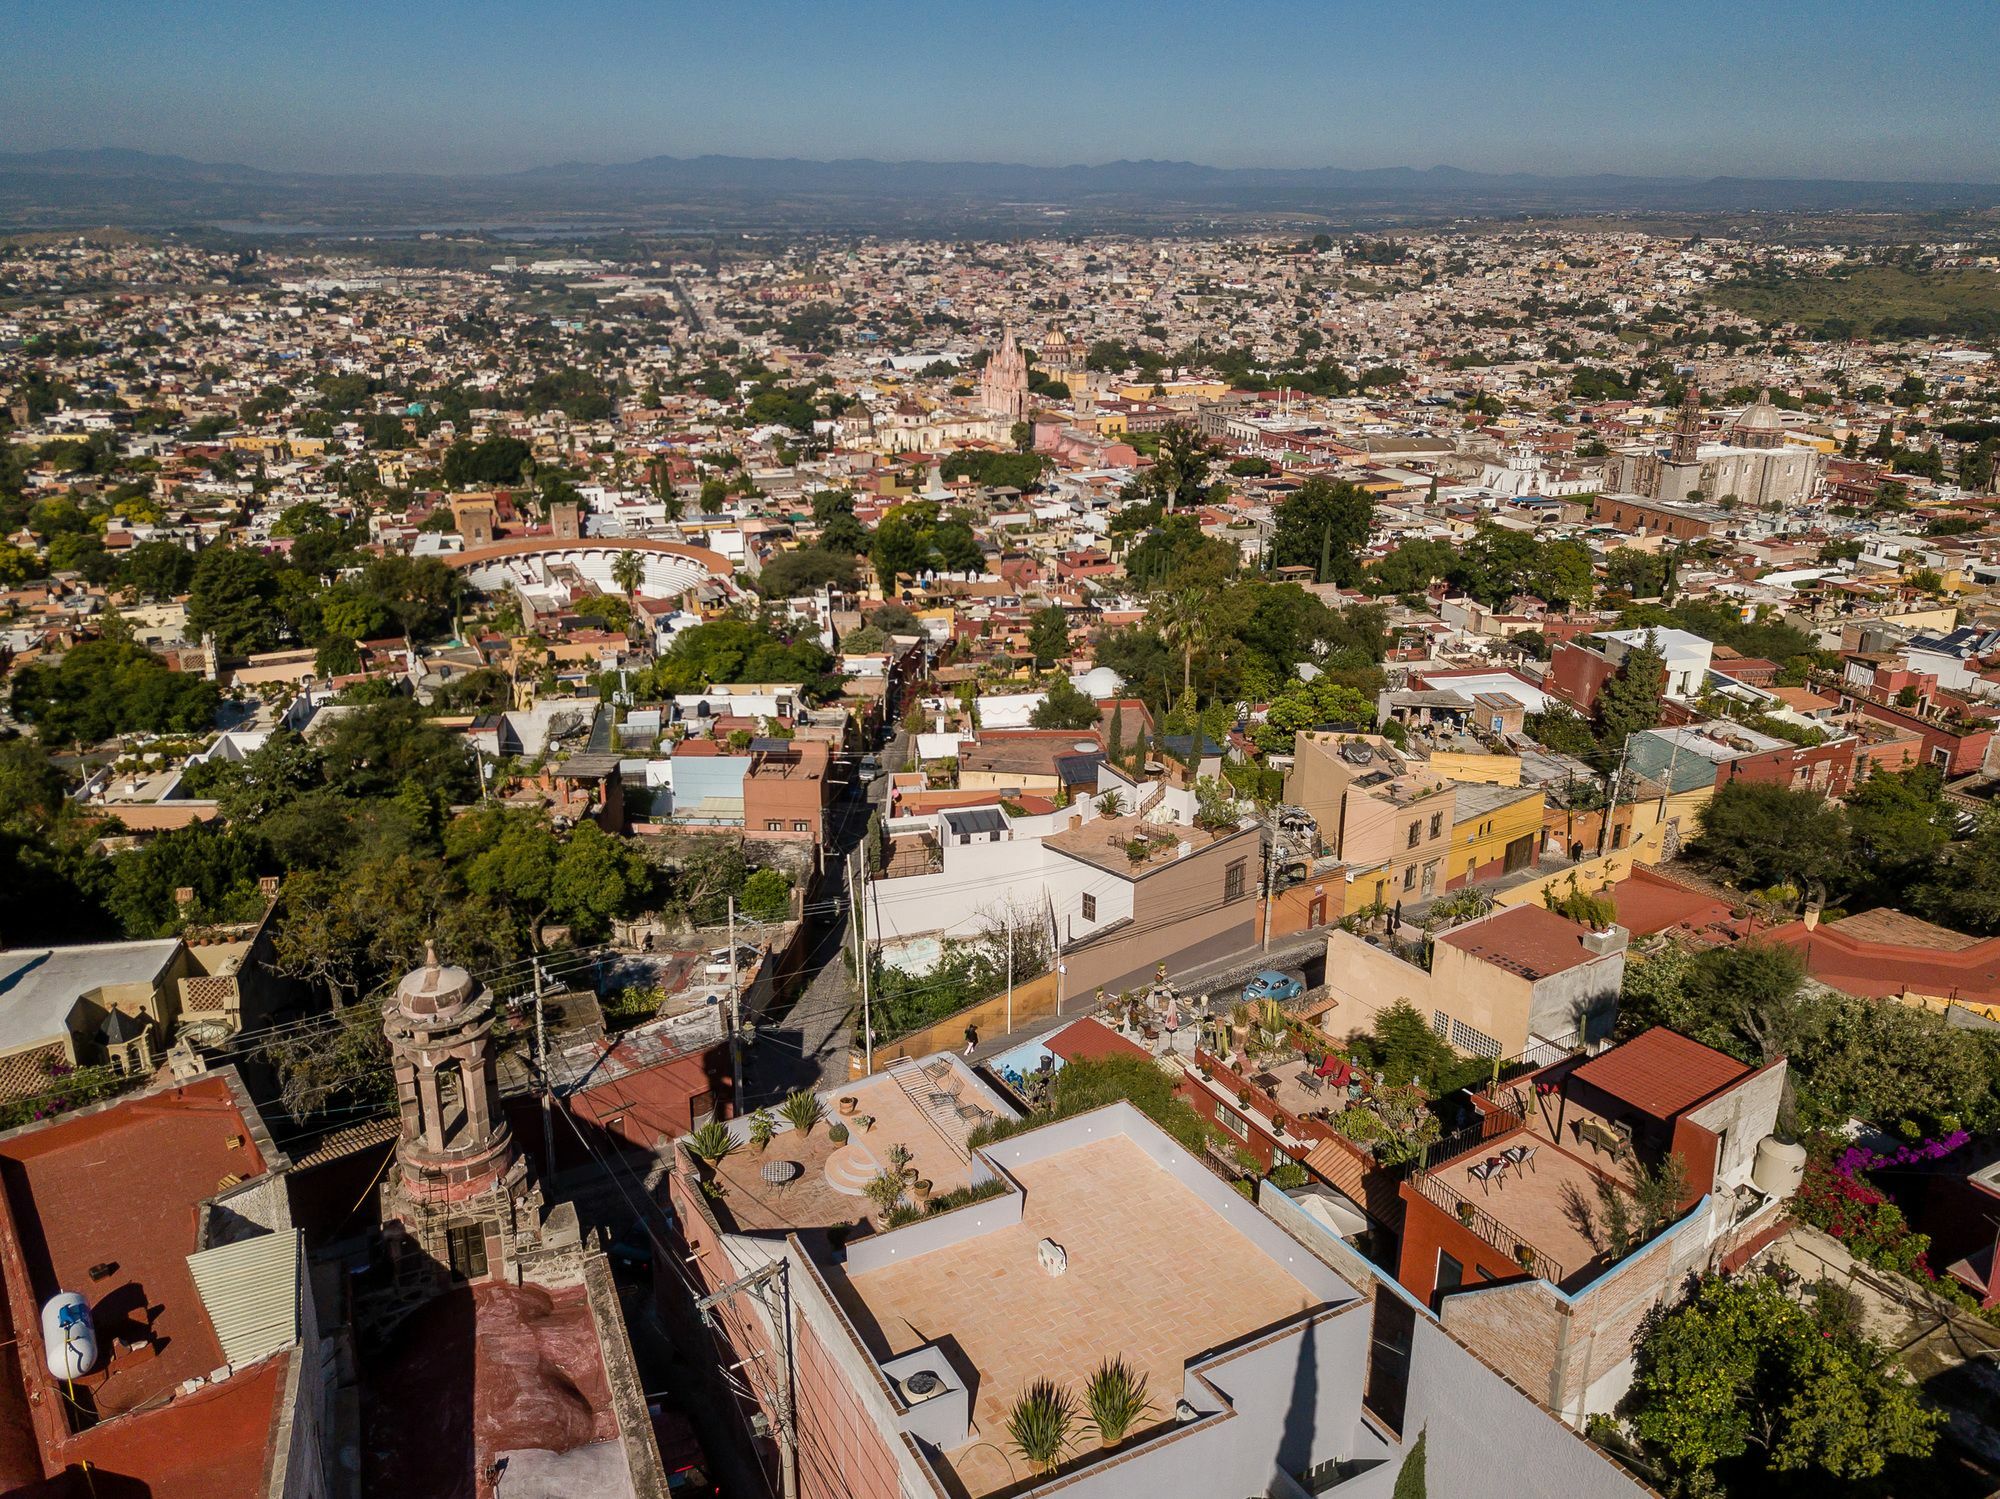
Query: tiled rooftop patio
x=1553, y=1204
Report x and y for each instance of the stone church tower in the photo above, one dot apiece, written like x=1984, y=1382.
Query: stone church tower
x=460, y=1202
x=1003, y=384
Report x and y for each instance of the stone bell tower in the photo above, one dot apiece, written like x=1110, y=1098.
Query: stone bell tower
x=460, y=1201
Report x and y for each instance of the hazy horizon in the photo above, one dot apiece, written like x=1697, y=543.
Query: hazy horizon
x=1837, y=90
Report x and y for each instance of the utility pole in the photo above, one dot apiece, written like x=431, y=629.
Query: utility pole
x=735, y=1013
x=1010, y=970
x=1270, y=875
x=548, y=1084
x=759, y=1283
x=861, y=940
x=1611, y=801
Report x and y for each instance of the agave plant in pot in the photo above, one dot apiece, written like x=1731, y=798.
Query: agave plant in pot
x=802, y=1110
x=1116, y=1398
x=1040, y=1423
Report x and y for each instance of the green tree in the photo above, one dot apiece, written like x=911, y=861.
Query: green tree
x=628, y=571
x=1630, y=700
x=1063, y=707
x=1755, y=835
x=1743, y=1000
x=1963, y=890
x=1323, y=525
x=106, y=687
x=898, y=551
x=157, y=570
x=1048, y=635
x=1741, y=1368
x=1899, y=824
x=232, y=596
x=1310, y=705
x=767, y=896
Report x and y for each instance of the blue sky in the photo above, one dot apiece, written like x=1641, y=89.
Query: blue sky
x=1898, y=88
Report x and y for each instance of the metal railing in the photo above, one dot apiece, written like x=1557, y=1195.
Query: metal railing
x=1487, y=1227
x=1458, y=1142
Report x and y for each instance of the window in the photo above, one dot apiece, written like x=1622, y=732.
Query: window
x=773, y=825
x=1441, y=1022
x=1416, y=832
x=1232, y=881
x=1090, y=908
x=1451, y=1274
x=1437, y=823
x=1465, y=1038
x=1232, y=1121
x=800, y=825
x=1410, y=878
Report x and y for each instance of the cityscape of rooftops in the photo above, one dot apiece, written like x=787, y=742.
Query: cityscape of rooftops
x=898, y=752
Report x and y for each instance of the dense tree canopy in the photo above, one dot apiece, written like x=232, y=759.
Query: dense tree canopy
x=106, y=687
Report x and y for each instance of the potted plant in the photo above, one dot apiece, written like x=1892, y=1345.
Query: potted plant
x=1039, y=1423
x=848, y=1104
x=762, y=1128
x=1524, y=1256
x=837, y=1133
x=1117, y=1400
x=712, y=1142
x=1242, y=1098
x=923, y=1189
x=802, y=1110
x=1465, y=1212
x=899, y=1157
x=885, y=1191
x=864, y=1122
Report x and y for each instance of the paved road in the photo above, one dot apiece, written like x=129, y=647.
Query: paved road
x=807, y=1045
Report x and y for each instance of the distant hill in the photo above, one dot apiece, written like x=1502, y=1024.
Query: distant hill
x=137, y=187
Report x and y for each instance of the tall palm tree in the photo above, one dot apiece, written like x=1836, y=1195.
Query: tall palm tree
x=628, y=571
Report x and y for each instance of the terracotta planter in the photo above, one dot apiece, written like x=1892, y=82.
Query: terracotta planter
x=910, y=1175
x=849, y=1105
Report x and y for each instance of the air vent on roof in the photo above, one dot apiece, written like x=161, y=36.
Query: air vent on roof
x=922, y=1384
x=1357, y=754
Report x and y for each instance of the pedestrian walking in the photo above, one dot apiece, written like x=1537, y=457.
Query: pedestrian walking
x=971, y=1039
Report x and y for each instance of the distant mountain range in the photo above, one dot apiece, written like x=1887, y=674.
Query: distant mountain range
x=139, y=189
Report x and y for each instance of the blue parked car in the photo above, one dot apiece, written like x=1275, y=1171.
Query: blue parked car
x=1271, y=984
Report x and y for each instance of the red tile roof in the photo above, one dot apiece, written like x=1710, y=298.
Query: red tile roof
x=1531, y=941
x=1089, y=1038
x=1661, y=1072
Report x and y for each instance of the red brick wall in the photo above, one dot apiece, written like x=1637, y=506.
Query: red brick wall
x=1577, y=674
x=843, y=1453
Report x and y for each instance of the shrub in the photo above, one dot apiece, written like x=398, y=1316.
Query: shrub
x=837, y=1132
x=1289, y=1177
x=1091, y=1082
x=885, y=1190
x=762, y=1128
x=959, y=1197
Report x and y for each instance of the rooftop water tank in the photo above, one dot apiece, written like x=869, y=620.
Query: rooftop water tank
x=1780, y=1166
x=69, y=1335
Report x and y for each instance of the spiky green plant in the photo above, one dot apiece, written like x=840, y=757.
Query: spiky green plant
x=1117, y=1400
x=1039, y=1423
x=802, y=1110
x=712, y=1141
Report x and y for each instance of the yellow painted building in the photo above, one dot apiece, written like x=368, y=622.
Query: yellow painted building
x=1496, y=829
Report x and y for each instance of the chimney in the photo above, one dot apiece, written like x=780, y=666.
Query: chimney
x=1602, y=944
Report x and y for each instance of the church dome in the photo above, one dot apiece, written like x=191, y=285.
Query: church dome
x=434, y=989
x=1761, y=416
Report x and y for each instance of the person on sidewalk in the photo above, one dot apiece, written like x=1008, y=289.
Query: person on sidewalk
x=971, y=1039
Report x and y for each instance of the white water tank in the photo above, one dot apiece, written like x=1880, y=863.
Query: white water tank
x=69, y=1335
x=1780, y=1166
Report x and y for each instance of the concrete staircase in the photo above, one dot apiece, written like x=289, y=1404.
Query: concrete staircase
x=924, y=1092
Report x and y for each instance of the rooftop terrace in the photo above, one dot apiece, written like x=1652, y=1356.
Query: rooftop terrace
x=1162, y=1265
